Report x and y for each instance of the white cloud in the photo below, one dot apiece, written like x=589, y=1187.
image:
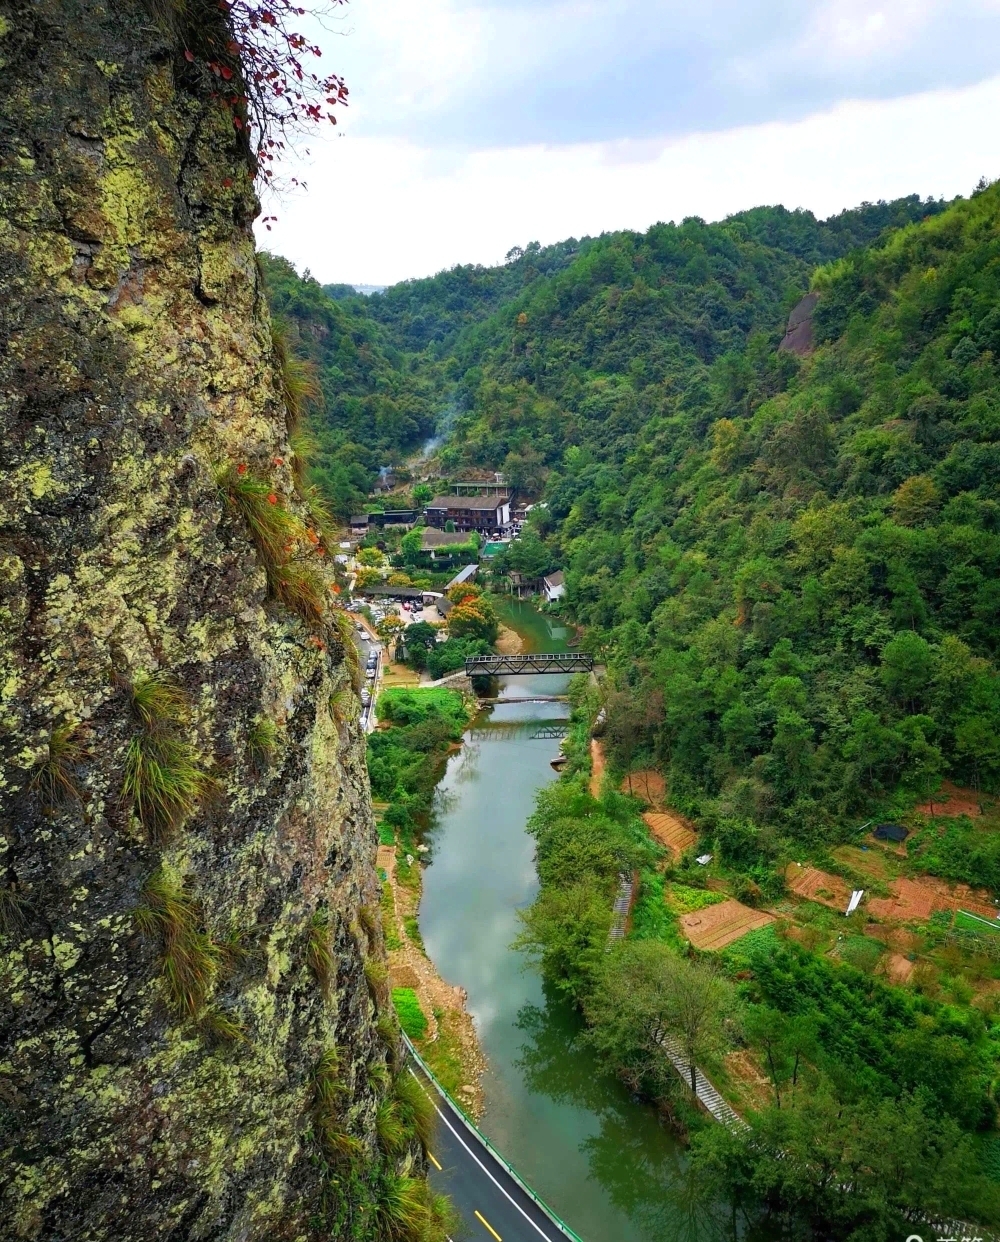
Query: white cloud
x=475, y=73
x=379, y=210
x=854, y=28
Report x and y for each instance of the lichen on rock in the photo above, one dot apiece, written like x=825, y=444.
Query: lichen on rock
x=137, y=362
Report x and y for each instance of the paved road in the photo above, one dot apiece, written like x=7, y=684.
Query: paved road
x=490, y=1203
x=365, y=645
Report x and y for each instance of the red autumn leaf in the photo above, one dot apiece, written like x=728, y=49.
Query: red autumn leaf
x=272, y=499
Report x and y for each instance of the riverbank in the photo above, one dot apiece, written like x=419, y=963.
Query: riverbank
x=509, y=642
x=450, y=1045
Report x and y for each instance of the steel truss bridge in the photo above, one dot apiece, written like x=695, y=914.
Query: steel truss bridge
x=508, y=731
x=514, y=665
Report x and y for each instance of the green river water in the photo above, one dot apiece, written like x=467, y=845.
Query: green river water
x=602, y=1160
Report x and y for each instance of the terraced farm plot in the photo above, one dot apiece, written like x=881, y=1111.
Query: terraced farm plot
x=670, y=830
x=386, y=859
x=648, y=785
x=815, y=885
x=918, y=899
x=717, y=926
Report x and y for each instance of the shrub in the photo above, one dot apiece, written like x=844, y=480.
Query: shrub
x=685, y=900
x=409, y=707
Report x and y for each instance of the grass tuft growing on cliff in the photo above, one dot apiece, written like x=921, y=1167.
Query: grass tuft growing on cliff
x=343, y=624
x=390, y=1127
x=409, y=1211
x=12, y=907
x=222, y=1028
x=369, y=920
x=336, y=1142
x=272, y=528
x=319, y=954
x=388, y=1032
x=55, y=781
x=276, y=533
x=297, y=378
x=378, y=982
x=262, y=742
x=188, y=958
x=415, y=1107
x=301, y=588
x=163, y=782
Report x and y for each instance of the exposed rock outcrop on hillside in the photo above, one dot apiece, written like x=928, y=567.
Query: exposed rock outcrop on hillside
x=178, y=986
x=798, y=338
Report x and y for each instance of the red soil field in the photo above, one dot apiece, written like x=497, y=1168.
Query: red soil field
x=716, y=926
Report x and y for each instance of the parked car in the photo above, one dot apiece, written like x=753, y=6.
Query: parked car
x=366, y=697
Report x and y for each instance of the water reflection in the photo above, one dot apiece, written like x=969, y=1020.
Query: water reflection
x=603, y=1160
x=643, y=1172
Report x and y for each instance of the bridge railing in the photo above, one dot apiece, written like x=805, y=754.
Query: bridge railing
x=481, y=1138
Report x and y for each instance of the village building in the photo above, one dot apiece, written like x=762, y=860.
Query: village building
x=463, y=577
x=554, y=586
x=441, y=542
x=481, y=513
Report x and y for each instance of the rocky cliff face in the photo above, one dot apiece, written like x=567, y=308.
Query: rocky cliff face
x=191, y=1023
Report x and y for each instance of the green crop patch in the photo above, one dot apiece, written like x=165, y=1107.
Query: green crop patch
x=411, y=1017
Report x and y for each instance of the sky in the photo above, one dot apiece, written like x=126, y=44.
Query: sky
x=474, y=125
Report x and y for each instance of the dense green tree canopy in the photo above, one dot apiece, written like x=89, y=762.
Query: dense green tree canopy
x=798, y=555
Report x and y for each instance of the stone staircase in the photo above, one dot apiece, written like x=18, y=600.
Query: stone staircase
x=622, y=906
x=707, y=1094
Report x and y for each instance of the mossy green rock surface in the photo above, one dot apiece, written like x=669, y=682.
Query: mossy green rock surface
x=135, y=362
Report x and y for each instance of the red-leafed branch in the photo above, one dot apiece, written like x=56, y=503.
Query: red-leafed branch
x=262, y=67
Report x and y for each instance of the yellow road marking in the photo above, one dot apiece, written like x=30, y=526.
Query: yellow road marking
x=430, y=1157
x=483, y=1221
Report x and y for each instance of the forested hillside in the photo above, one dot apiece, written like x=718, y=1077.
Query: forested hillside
x=802, y=560
x=363, y=408
x=392, y=367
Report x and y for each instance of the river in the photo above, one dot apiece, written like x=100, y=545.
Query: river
x=602, y=1160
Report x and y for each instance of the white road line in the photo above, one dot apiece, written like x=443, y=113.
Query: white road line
x=534, y=1226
